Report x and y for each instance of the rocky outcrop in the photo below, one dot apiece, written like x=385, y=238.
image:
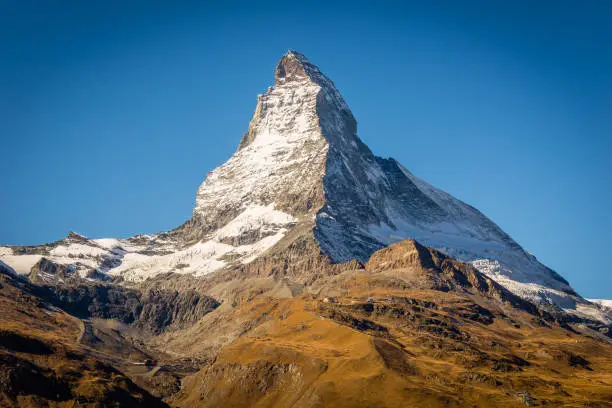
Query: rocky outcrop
x=427, y=268
x=104, y=301
x=152, y=310
x=5, y=269
x=165, y=309
x=46, y=271
x=300, y=259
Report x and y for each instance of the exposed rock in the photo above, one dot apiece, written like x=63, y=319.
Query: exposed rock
x=46, y=271
x=527, y=399
x=394, y=357
x=97, y=300
x=428, y=268
x=153, y=310
x=168, y=309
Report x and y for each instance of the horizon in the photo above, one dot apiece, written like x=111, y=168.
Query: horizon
x=499, y=118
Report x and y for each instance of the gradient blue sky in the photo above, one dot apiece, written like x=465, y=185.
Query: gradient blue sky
x=112, y=112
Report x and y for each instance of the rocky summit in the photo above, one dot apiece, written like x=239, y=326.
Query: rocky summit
x=311, y=273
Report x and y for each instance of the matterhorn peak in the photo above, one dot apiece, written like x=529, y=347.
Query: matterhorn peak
x=301, y=174
x=302, y=157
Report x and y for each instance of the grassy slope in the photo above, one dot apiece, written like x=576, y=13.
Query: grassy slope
x=386, y=340
x=42, y=363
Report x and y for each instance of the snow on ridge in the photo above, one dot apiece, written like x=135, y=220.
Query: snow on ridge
x=283, y=143
x=77, y=250
x=255, y=217
x=208, y=256
x=21, y=264
x=603, y=302
x=137, y=262
x=199, y=259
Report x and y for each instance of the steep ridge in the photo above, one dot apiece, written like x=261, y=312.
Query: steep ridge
x=301, y=172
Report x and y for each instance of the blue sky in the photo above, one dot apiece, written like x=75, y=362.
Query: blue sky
x=113, y=112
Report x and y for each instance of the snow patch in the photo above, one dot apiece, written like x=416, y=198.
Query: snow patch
x=255, y=217
x=602, y=302
x=21, y=264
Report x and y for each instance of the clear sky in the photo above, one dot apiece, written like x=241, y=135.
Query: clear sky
x=112, y=112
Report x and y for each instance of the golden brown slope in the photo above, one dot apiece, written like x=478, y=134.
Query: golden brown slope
x=43, y=361
x=413, y=329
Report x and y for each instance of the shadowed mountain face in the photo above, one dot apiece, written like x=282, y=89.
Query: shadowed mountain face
x=301, y=172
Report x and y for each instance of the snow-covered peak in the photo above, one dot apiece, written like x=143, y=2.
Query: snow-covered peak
x=279, y=160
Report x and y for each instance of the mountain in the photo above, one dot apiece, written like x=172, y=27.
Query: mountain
x=311, y=274
x=302, y=175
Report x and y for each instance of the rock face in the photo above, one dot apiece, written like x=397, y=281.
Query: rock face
x=171, y=309
x=427, y=268
x=153, y=309
x=301, y=173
